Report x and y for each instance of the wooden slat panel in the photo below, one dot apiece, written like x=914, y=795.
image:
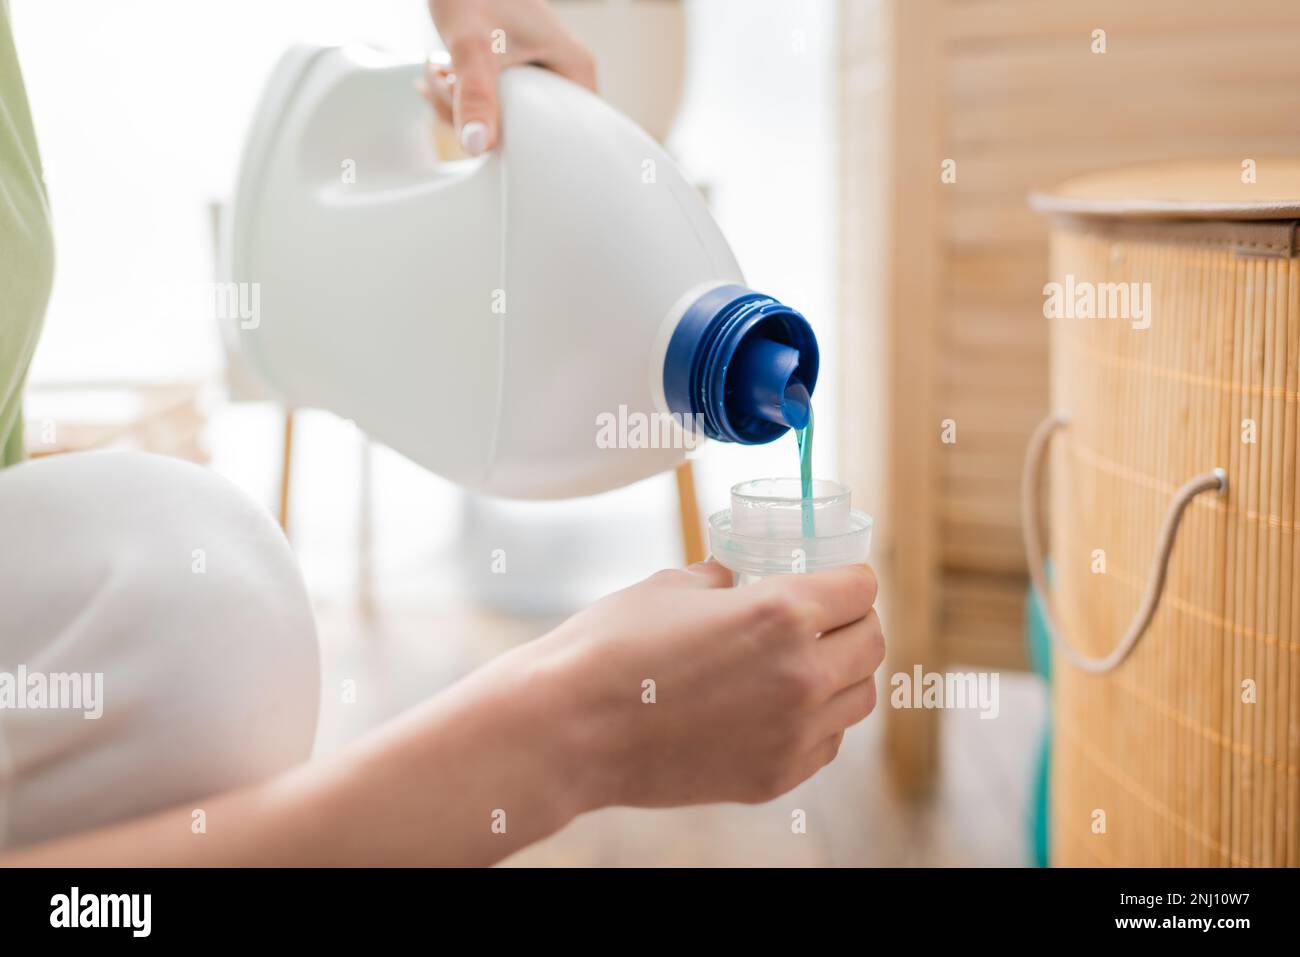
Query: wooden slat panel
x=980, y=550
x=970, y=508
x=1013, y=335
x=1239, y=114
x=987, y=273
x=995, y=468
x=991, y=380
x=983, y=620
x=914, y=269
x=972, y=222
x=1003, y=21
x=1010, y=173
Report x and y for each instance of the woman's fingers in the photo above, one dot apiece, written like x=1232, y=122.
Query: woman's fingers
x=710, y=574
x=853, y=652
x=840, y=595
x=822, y=754
x=833, y=598
x=707, y=574
x=474, y=95
x=846, y=708
x=436, y=87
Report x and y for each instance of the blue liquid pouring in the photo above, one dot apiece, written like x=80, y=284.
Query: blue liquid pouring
x=804, y=438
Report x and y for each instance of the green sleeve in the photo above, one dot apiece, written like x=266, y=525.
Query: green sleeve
x=27, y=266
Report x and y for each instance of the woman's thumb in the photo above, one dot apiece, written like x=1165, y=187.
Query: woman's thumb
x=475, y=102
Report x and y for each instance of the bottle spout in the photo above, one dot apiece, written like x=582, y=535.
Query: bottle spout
x=797, y=407
x=767, y=384
x=744, y=363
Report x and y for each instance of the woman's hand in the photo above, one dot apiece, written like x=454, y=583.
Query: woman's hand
x=679, y=690
x=685, y=690
x=484, y=37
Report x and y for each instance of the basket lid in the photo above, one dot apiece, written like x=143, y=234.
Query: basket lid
x=1195, y=189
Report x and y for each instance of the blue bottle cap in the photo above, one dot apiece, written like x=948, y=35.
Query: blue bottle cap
x=744, y=363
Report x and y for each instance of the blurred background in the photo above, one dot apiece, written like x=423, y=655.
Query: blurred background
x=818, y=130
x=141, y=108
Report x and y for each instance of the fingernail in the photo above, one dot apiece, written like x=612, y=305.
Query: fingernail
x=473, y=137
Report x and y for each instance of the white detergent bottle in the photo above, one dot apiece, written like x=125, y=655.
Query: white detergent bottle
x=511, y=322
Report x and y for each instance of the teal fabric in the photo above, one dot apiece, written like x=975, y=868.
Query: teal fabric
x=1039, y=642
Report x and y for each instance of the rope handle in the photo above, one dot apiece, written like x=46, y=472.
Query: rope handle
x=1216, y=481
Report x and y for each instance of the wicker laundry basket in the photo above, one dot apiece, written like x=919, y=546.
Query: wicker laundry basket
x=1174, y=398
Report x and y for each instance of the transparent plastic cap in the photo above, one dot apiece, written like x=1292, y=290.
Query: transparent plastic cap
x=771, y=529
